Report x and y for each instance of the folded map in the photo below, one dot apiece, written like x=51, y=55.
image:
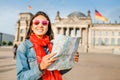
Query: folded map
x=65, y=48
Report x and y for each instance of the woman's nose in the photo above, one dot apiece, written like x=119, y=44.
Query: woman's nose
x=39, y=25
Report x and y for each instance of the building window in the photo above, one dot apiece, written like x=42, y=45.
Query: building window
x=106, y=33
x=99, y=41
x=118, y=33
x=106, y=41
x=112, y=41
x=112, y=33
x=59, y=30
x=118, y=41
x=95, y=33
x=93, y=41
x=21, y=39
x=22, y=31
x=92, y=33
x=100, y=33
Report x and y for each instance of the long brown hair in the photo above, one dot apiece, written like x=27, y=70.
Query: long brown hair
x=49, y=32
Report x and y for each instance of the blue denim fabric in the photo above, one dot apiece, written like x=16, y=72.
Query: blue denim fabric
x=26, y=62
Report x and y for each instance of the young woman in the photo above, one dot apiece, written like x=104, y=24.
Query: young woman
x=33, y=55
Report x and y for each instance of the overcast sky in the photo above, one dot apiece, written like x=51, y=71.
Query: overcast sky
x=10, y=9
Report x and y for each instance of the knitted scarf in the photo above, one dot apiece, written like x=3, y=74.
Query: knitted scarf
x=38, y=44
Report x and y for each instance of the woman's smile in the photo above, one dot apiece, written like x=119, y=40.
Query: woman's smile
x=40, y=30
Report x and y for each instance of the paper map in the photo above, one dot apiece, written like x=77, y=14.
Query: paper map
x=65, y=48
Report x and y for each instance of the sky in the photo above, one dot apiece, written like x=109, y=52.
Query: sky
x=10, y=9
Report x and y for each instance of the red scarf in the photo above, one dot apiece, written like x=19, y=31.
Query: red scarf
x=39, y=44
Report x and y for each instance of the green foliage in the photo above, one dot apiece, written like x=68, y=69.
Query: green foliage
x=4, y=43
x=10, y=43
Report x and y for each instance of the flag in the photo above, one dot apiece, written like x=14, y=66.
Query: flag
x=29, y=7
x=100, y=16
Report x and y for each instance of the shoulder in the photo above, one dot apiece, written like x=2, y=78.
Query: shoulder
x=25, y=45
x=21, y=47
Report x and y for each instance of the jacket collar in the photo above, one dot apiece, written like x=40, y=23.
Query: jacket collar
x=29, y=44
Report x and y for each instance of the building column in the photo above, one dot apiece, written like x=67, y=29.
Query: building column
x=67, y=31
x=55, y=30
x=80, y=32
x=80, y=35
x=61, y=31
x=73, y=32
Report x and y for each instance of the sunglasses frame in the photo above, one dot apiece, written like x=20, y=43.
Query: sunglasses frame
x=43, y=22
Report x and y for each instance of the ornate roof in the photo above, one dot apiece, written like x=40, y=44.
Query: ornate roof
x=76, y=14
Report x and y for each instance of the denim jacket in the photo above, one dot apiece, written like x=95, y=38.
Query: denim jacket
x=26, y=63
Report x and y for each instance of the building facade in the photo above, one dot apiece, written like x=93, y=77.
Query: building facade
x=104, y=37
x=6, y=38
x=22, y=27
x=93, y=36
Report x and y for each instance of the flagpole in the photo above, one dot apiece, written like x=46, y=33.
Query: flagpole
x=94, y=19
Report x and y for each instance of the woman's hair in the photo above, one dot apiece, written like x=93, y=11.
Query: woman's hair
x=49, y=32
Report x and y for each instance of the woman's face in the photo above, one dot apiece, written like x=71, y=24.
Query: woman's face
x=40, y=25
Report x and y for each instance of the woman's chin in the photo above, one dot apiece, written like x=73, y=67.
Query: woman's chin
x=40, y=34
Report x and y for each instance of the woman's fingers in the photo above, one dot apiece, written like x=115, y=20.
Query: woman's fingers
x=47, y=60
x=76, y=57
x=50, y=55
x=52, y=60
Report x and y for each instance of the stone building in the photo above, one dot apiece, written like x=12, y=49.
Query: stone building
x=76, y=25
x=104, y=38
x=94, y=37
x=22, y=27
x=6, y=38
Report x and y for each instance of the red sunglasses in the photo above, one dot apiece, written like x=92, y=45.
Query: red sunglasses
x=37, y=22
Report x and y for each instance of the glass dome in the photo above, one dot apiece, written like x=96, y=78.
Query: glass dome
x=76, y=14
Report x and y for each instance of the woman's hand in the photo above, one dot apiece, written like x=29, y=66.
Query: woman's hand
x=47, y=61
x=76, y=57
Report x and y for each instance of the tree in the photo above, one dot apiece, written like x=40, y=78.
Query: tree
x=3, y=43
x=10, y=43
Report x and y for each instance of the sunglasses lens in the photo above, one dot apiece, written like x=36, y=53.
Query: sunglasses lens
x=36, y=22
x=44, y=23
